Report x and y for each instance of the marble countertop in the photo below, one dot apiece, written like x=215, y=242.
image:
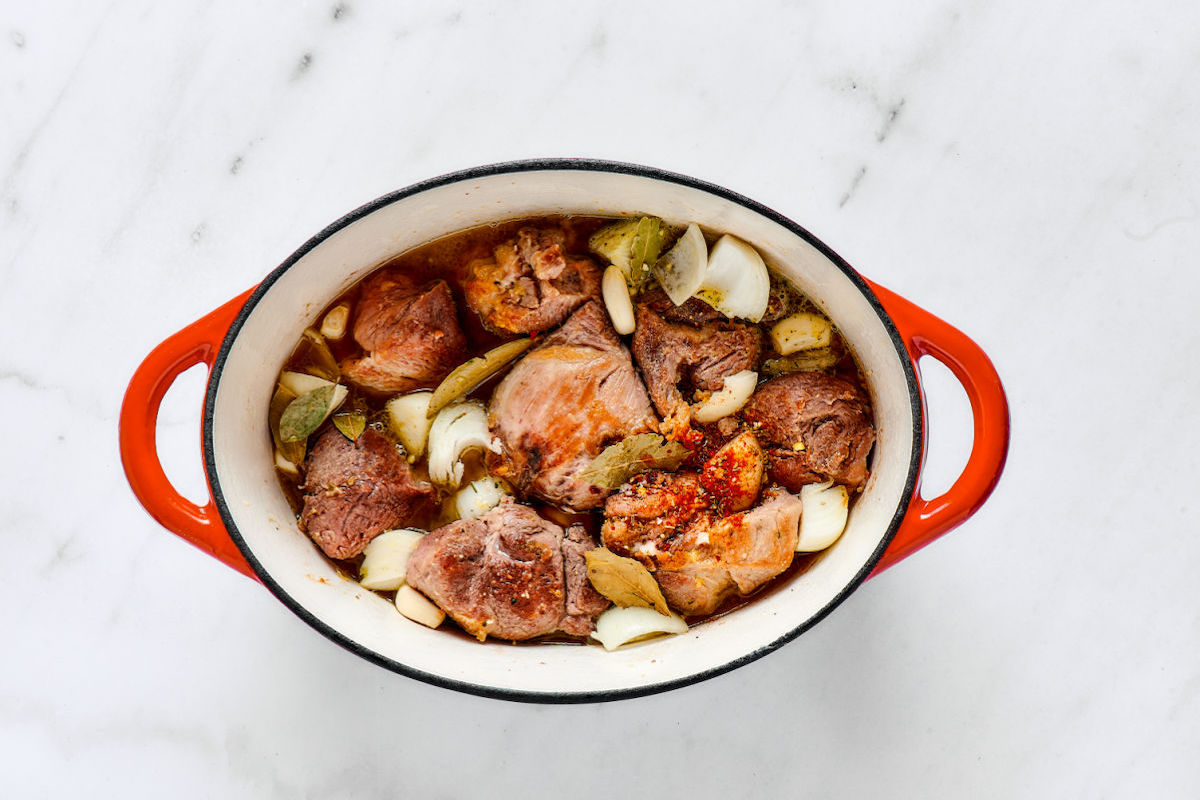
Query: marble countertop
x=1030, y=176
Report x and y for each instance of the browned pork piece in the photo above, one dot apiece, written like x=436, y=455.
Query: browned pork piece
x=675, y=355
x=410, y=333
x=680, y=527
x=699, y=557
x=817, y=427
x=530, y=284
x=354, y=491
x=509, y=574
x=567, y=399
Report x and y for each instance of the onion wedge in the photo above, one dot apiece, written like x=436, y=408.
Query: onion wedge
x=385, y=560
x=618, y=626
x=728, y=399
x=736, y=282
x=681, y=269
x=825, y=508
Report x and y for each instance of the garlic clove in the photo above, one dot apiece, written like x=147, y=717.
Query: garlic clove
x=729, y=399
x=616, y=300
x=417, y=607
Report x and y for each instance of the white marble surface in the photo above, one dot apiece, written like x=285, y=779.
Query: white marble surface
x=1029, y=175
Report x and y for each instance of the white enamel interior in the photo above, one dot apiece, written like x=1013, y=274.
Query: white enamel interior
x=243, y=456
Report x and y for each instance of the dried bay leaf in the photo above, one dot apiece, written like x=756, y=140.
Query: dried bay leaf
x=641, y=452
x=292, y=451
x=351, y=424
x=624, y=581
x=305, y=414
x=466, y=377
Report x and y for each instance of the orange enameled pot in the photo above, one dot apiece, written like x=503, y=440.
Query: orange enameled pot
x=248, y=525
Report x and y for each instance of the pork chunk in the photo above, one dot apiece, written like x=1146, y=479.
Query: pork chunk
x=681, y=356
x=509, y=574
x=410, y=333
x=354, y=491
x=816, y=427
x=530, y=284
x=698, y=556
x=567, y=399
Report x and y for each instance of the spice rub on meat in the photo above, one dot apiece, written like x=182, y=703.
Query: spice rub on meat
x=689, y=355
x=567, y=399
x=354, y=491
x=409, y=332
x=817, y=427
x=530, y=284
x=699, y=553
x=509, y=574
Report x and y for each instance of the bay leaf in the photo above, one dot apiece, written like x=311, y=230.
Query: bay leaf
x=292, y=451
x=641, y=452
x=351, y=424
x=624, y=581
x=305, y=414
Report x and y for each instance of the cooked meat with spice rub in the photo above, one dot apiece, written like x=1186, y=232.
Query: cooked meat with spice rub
x=674, y=355
x=509, y=574
x=354, y=491
x=699, y=556
x=410, y=334
x=561, y=404
x=530, y=284
x=817, y=427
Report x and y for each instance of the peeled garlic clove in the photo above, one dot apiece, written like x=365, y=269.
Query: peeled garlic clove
x=385, y=559
x=801, y=331
x=731, y=397
x=408, y=420
x=736, y=282
x=618, y=626
x=680, y=271
x=616, y=300
x=417, y=607
x=825, y=508
x=333, y=326
x=479, y=497
x=457, y=429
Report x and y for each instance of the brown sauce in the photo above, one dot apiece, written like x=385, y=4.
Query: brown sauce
x=447, y=259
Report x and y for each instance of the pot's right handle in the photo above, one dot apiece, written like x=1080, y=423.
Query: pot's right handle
x=926, y=335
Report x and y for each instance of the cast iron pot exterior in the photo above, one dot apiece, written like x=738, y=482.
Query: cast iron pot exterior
x=249, y=525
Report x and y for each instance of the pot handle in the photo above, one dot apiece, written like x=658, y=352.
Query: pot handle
x=926, y=335
x=200, y=525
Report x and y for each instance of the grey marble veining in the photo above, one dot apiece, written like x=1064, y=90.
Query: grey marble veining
x=1028, y=174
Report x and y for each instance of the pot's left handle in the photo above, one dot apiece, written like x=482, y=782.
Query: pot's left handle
x=200, y=525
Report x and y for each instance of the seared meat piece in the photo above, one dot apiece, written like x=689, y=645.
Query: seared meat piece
x=509, y=574
x=530, y=284
x=829, y=418
x=567, y=399
x=694, y=311
x=354, y=491
x=698, y=357
x=410, y=332
x=698, y=556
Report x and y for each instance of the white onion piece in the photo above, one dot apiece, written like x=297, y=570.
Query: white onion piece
x=825, y=508
x=618, y=626
x=408, y=420
x=729, y=399
x=681, y=269
x=285, y=466
x=480, y=496
x=456, y=429
x=736, y=281
x=385, y=560
x=417, y=607
x=616, y=300
x=801, y=331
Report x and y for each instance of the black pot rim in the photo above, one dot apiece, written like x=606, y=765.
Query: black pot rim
x=570, y=165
